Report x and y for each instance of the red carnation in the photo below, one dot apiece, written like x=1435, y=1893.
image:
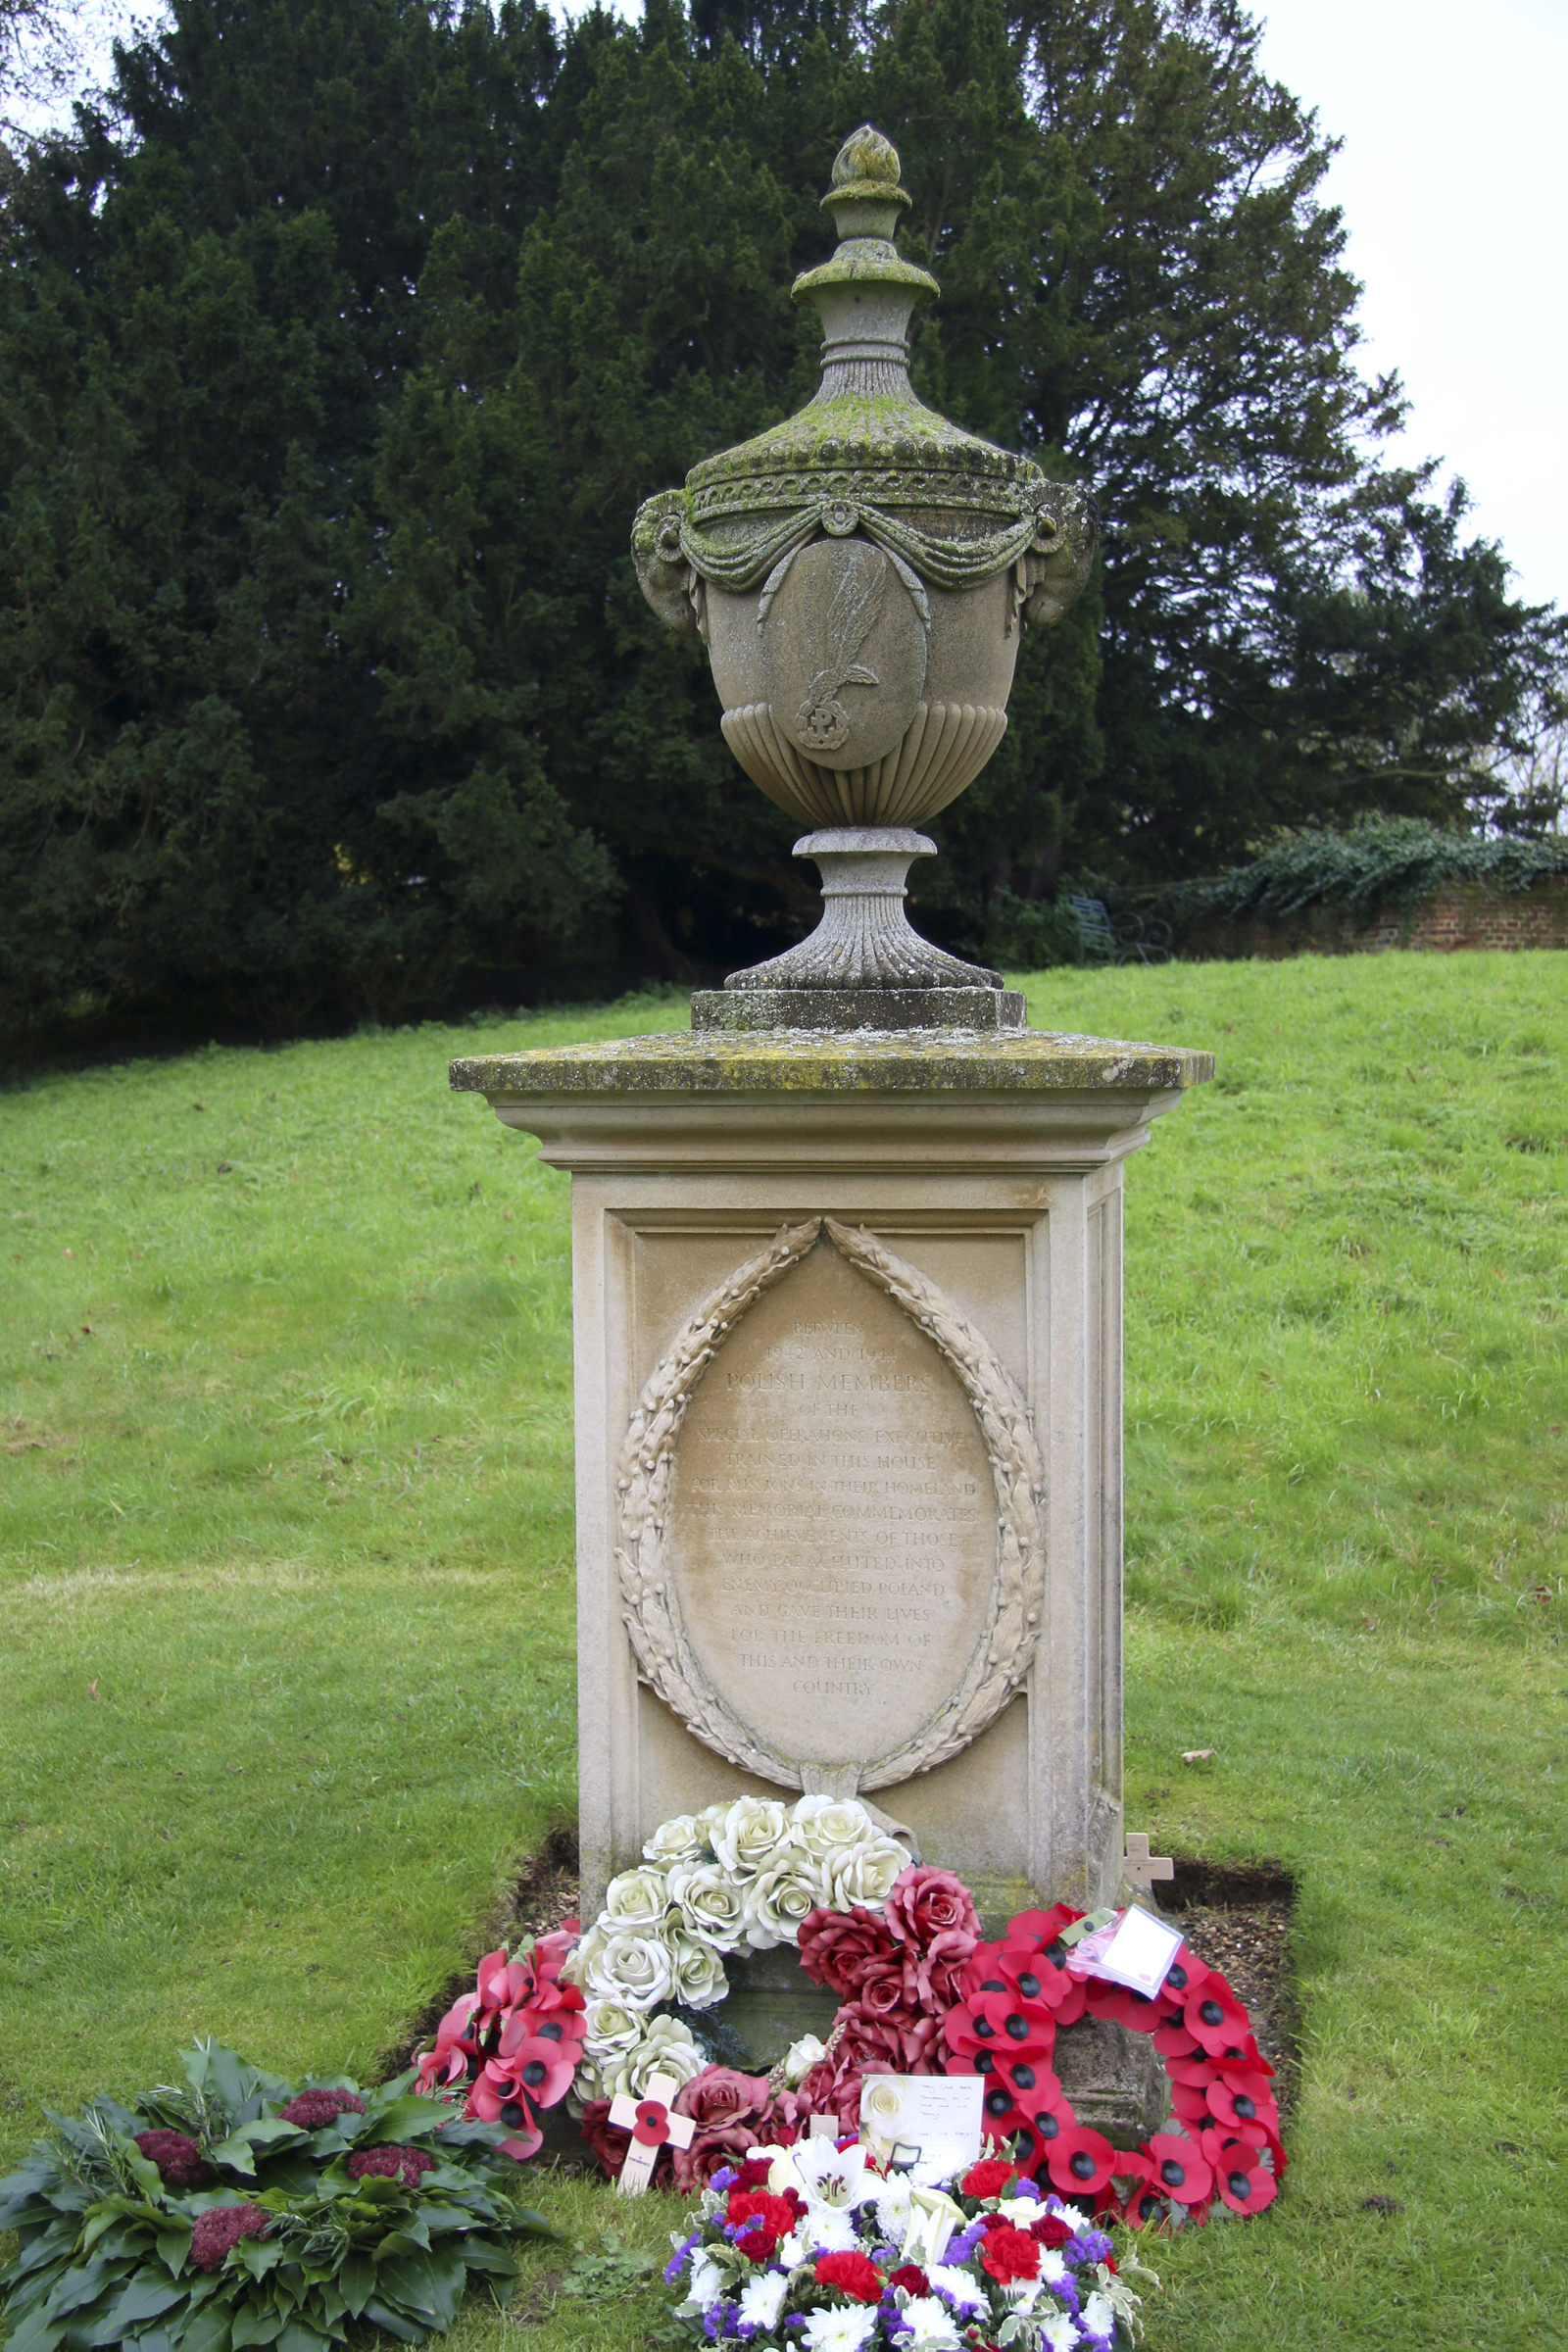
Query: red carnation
x=857, y=2274
x=178, y=2157
x=221, y=2228
x=911, y=2278
x=752, y=2205
x=841, y=1948
x=311, y=2108
x=988, y=2178
x=755, y=2173
x=390, y=2163
x=1009, y=2254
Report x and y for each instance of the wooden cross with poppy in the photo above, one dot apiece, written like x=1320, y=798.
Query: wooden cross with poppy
x=1140, y=1867
x=650, y=2121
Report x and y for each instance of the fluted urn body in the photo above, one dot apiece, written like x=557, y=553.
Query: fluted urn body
x=860, y=572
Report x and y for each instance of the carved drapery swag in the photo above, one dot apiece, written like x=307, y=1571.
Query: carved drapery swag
x=1002, y=1655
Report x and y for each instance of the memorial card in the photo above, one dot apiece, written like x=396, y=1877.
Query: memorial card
x=925, y=2120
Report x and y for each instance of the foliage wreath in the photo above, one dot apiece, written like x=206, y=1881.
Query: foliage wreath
x=920, y=1992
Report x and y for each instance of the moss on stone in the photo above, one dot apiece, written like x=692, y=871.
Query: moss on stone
x=815, y=1061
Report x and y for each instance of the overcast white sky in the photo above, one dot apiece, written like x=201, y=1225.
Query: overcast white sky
x=1452, y=184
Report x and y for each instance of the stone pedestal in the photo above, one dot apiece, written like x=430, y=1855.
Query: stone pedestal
x=847, y=1318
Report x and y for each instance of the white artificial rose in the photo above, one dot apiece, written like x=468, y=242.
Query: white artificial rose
x=699, y=1971
x=667, y=2049
x=866, y=1874
x=581, y=1957
x=710, y=1819
x=828, y=1826
x=711, y=1905
x=777, y=1899
x=588, y=2083
x=799, y=2058
x=677, y=1840
x=638, y=1898
x=610, y=2030
x=632, y=1969
x=750, y=1835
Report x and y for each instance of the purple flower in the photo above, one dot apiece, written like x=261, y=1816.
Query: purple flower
x=963, y=2245
x=719, y=2320
x=1026, y=2188
x=725, y=2177
x=1093, y=2246
x=677, y=2262
x=311, y=2108
x=221, y=2228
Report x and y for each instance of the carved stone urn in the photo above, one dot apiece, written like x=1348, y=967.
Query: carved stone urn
x=860, y=574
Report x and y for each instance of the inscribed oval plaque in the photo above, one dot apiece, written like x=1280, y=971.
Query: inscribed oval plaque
x=843, y=654
x=830, y=1525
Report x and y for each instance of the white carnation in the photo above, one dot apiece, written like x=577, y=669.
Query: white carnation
x=961, y=2291
x=930, y=2324
x=699, y=1971
x=1099, y=2315
x=866, y=1874
x=638, y=1898
x=711, y=1903
x=1059, y=2331
x=840, y=2331
x=762, y=2299
x=677, y=1840
x=706, y=2283
x=632, y=1969
x=750, y=1835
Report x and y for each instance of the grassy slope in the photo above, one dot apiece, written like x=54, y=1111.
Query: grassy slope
x=289, y=1677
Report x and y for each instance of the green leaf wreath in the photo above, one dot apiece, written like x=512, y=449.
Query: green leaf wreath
x=239, y=2209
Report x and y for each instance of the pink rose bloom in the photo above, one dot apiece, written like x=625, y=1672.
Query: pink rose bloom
x=719, y=2144
x=894, y=2045
x=926, y=1904
x=832, y=2089
x=842, y=1948
x=721, y=2097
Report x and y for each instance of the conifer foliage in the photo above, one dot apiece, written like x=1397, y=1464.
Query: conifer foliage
x=340, y=349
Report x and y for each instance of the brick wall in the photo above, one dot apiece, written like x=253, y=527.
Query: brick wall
x=1466, y=915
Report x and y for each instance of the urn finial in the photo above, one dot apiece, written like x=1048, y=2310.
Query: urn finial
x=859, y=574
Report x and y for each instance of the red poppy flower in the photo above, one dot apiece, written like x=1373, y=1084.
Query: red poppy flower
x=1036, y=1973
x=911, y=2278
x=1073, y=2002
x=1179, y=2169
x=1144, y=2205
x=1185, y=1976
x=1214, y=2017
x=1173, y=2041
x=1007, y=2022
x=542, y=2070
x=1191, y=2104
x=988, y=2178
x=1080, y=2161
x=1197, y=2072
x=1000, y=2116
x=1008, y=2254
x=1245, y=2185
x=1125, y=2007
x=1254, y=2080
x=855, y=2275
x=1043, y=1926
x=1250, y=2120
x=1030, y=2080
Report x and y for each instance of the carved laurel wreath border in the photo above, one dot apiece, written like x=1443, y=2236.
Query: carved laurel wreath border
x=1002, y=1656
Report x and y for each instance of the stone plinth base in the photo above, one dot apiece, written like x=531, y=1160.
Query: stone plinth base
x=731, y=1010
x=848, y=1346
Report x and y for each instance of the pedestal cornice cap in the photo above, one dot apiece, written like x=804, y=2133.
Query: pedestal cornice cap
x=862, y=1062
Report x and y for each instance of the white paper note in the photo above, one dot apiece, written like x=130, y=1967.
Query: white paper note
x=937, y=2115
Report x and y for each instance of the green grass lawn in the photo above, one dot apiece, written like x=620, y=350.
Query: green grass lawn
x=286, y=1546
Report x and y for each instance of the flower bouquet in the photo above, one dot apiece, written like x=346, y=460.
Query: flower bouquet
x=239, y=2209
x=816, y=2246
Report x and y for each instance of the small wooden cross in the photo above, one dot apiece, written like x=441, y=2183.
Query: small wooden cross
x=1140, y=1867
x=650, y=2121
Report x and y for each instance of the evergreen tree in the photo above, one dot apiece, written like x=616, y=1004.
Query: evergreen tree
x=339, y=356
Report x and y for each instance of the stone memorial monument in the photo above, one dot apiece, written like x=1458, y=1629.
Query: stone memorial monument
x=847, y=1255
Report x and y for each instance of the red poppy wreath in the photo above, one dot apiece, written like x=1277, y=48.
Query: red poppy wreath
x=920, y=1992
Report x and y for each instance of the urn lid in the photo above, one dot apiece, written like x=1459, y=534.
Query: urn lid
x=866, y=437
